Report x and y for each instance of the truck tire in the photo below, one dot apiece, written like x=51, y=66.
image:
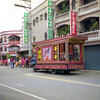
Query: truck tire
x=34, y=69
x=67, y=71
x=54, y=71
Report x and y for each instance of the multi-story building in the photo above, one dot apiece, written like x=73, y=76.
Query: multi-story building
x=10, y=42
x=39, y=22
x=88, y=24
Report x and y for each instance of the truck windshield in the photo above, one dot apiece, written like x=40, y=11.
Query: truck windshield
x=74, y=52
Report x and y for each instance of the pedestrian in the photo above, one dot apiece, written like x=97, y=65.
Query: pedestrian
x=0, y=62
x=8, y=62
x=23, y=62
x=16, y=63
x=20, y=62
x=12, y=63
x=27, y=62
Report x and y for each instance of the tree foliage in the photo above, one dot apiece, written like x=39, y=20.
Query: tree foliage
x=8, y=55
x=64, y=30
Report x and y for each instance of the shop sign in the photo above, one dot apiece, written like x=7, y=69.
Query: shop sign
x=26, y=40
x=25, y=35
x=50, y=24
x=50, y=19
x=50, y=4
x=73, y=23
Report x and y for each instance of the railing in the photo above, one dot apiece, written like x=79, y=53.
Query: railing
x=62, y=17
x=13, y=50
x=88, y=6
x=92, y=35
x=14, y=41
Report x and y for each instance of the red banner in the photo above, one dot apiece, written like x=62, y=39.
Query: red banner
x=73, y=23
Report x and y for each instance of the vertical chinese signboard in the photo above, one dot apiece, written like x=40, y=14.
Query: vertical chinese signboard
x=73, y=23
x=50, y=19
x=25, y=27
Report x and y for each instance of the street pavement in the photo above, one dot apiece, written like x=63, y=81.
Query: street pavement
x=24, y=84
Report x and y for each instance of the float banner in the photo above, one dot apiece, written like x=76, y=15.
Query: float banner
x=73, y=23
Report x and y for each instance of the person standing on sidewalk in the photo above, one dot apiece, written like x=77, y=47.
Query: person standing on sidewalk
x=12, y=63
x=8, y=62
x=20, y=62
x=23, y=62
x=27, y=62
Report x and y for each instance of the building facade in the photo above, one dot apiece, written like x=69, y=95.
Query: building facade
x=39, y=19
x=88, y=24
x=10, y=43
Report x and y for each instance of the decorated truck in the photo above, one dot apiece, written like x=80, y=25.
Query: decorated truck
x=60, y=54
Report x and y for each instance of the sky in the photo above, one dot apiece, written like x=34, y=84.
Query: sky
x=11, y=16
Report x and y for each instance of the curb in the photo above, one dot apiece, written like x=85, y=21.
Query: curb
x=91, y=71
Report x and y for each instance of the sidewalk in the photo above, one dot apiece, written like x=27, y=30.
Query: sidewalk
x=91, y=71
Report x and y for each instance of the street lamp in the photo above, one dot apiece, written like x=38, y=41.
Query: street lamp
x=28, y=2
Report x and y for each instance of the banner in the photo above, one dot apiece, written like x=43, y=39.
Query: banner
x=47, y=53
x=73, y=23
x=50, y=19
x=25, y=28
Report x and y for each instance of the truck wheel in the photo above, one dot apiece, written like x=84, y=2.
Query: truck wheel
x=34, y=69
x=53, y=71
x=67, y=71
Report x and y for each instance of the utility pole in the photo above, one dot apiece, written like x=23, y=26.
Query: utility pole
x=28, y=8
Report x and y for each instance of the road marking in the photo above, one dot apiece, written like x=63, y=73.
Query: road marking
x=22, y=92
x=20, y=84
x=70, y=81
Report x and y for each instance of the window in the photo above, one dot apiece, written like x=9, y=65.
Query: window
x=45, y=36
x=33, y=39
x=0, y=49
x=73, y=4
x=5, y=39
x=0, y=39
x=5, y=48
x=45, y=15
x=62, y=51
x=88, y=1
x=74, y=52
x=37, y=19
x=41, y=17
x=33, y=22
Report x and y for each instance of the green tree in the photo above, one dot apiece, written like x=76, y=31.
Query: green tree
x=64, y=30
x=94, y=26
x=8, y=55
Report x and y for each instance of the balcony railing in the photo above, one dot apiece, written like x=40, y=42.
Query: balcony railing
x=14, y=41
x=88, y=7
x=14, y=51
x=62, y=17
x=93, y=35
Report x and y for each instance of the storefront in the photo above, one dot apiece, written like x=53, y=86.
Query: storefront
x=92, y=57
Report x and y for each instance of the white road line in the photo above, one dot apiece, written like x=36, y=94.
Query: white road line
x=22, y=92
x=20, y=84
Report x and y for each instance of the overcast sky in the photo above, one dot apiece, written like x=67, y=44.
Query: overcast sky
x=11, y=16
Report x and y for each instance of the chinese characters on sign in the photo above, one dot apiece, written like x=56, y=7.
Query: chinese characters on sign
x=50, y=19
x=25, y=27
x=73, y=23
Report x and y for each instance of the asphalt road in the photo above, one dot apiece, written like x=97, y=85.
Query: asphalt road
x=24, y=84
